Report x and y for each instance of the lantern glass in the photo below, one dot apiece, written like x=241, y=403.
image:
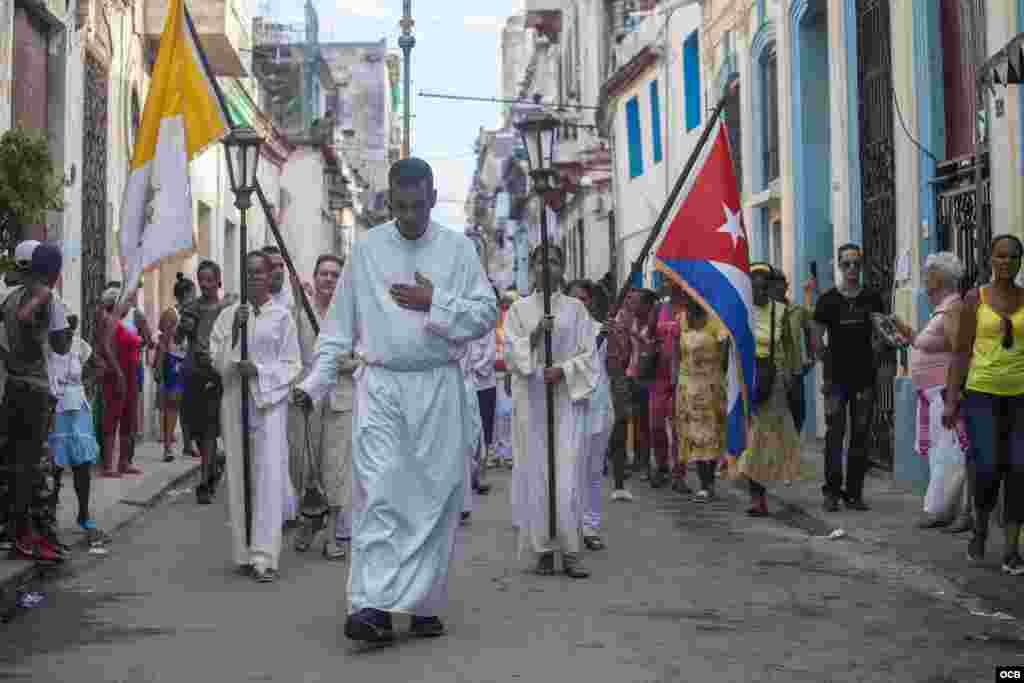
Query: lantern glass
x=538, y=132
x=243, y=153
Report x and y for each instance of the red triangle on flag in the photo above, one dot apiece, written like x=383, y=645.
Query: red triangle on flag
x=708, y=225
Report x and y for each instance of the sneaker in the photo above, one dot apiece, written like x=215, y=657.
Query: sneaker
x=703, y=496
x=976, y=549
x=622, y=494
x=35, y=548
x=168, y=456
x=1013, y=565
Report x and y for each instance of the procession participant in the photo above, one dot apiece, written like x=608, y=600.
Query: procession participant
x=169, y=364
x=25, y=412
x=844, y=312
x=72, y=440
x=599, y=413
x=320, y=443
x=203, y=386
x=773, y=448
x=574, y=378
x=413, y=295
x=473, y=443
x=701, y=394
x=278, y=291
x=273, y=364
x=503, y=405
x=481, y=355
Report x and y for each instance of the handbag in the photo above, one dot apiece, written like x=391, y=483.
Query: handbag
x=766, y=368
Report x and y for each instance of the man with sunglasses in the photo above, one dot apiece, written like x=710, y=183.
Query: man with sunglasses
x=844, y=314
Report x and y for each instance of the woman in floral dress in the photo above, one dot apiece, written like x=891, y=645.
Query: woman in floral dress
x=701, y=394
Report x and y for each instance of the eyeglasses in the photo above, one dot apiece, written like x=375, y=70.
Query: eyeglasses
x=849, y=263
x=1007, y=333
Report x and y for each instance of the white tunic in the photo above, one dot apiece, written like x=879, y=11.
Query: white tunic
x=274, y=348
x=412, y=420
x=573, y=351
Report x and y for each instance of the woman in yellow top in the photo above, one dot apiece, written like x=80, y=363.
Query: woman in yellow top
x=773, y=446
x=701, y=394
x=989, y=354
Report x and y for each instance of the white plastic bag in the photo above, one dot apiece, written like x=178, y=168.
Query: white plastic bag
x=947, y=475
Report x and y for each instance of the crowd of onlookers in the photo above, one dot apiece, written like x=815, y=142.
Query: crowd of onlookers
x=664, y=363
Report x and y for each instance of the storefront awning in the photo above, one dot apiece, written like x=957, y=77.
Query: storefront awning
x=1005, y=67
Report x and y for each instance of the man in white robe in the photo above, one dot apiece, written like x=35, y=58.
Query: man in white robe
x=274, y=363
x=573, y=375
x=412, y=295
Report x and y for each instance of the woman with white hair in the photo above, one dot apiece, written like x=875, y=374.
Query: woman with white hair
x=930, y=356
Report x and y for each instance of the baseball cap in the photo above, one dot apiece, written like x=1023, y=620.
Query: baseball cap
x=23, y=253
x=47, y=259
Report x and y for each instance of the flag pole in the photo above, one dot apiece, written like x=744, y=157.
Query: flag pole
x=269, y=216
x=637, y=266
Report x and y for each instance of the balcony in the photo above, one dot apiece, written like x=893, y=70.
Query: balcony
x=220, y=27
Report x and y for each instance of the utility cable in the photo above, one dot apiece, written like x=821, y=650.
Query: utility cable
x=906, y=131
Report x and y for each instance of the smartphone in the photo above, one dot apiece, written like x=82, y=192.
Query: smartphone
x=814, y=269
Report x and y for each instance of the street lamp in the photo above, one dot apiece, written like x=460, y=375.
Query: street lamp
x=539, y=132
x=243, y=153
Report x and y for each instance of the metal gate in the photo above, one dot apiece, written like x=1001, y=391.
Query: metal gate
x=964, y=215
x=878, y=197
x=94, y=192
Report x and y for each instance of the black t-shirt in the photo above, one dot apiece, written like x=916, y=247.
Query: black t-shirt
x=847, y=321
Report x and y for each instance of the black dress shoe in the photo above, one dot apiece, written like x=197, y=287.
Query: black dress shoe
x=831, y=504
x=573, y=569
x=426, y=627
x=857, y=504
x=203, y=495
x=370, y=626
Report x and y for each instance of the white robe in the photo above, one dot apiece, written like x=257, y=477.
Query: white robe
x=412, y=420
x=573, y=351
x=274, y=348
x=320, y=443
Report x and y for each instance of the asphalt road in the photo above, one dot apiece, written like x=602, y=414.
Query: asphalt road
x=684, y=592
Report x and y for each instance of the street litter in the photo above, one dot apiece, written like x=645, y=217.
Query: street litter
x=174, y=493
x=29, y=599
x=836, y=535
x=98, y=550
x=994, y=615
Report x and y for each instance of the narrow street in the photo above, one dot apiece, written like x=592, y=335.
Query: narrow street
x=685, y=592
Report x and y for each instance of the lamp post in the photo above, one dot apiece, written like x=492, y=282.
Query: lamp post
x=539, y=132
x=406, y=41
x=243, y=153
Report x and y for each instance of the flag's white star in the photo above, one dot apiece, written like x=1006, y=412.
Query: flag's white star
x=732, y=226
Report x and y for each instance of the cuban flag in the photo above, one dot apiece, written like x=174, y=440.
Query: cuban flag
x=705, y=250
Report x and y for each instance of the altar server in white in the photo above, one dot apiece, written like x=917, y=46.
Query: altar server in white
x=274, y=363
x=573, y=375
x=413, y=294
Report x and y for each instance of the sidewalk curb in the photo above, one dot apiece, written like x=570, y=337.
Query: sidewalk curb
x=33, y=571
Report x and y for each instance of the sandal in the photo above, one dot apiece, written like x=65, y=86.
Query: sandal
x=593, y=543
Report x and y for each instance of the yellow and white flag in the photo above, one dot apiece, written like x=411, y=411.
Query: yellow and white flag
x=182, y=116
